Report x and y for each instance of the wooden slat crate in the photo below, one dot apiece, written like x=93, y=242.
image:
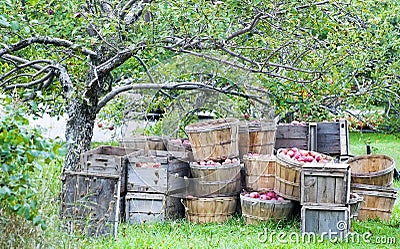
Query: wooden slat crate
x=156, y=172
x=333, y=138
x=105, y=159
x=327, y=221
x=91, y=203
x=325, y=184
x=108, y=160
x=293, y=135
x=151, y=207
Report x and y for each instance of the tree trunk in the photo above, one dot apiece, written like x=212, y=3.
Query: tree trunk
x=79, y=132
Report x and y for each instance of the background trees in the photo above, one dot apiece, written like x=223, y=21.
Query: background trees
x=309, y=58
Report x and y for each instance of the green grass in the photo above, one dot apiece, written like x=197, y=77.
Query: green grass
x=234, y=233
x=380, y=144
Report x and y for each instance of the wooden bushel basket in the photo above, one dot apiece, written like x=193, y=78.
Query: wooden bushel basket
x=372, y=170
x=260, y=172
x=144, y=143
x=255, y=210
x=287, y=176
x=257, y=137
x=378, y=201
x=209, y=181
x=214, y=139
x=211, y=209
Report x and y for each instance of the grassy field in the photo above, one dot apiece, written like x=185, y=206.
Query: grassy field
x=234, y=233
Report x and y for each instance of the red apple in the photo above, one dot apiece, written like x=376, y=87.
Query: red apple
x=255, y=195
x=303, y=152
x=284, y=151
x=290, y=153
x=271, y=194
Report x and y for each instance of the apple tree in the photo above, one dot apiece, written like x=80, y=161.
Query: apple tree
x=74, y=57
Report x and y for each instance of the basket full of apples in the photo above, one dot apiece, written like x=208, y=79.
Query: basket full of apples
x=262, y=206
x=215, y=178
x=288, y=167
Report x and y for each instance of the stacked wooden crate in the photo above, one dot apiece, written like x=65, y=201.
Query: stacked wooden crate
x=92, y=197
x=330, y=138
x=153, y=180
x=325, y=195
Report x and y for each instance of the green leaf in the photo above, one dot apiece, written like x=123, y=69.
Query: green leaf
x=37, y=220
x=4, y=22
x=15, y=25
x=5, y=167
x=5, y=190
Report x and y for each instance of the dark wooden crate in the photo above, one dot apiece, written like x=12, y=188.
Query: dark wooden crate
x=327, y=221
x=293, y=135
x=168, y=178
x=333, y=138
x=325, y=184
x=152, y=207
x=91, y=203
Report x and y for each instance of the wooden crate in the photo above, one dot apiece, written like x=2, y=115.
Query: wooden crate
x=293, y=135
x=91, y=203
x=327, y=221
x=166, y=177
x=105, y=160
x=333, y=138
x=325, y=184
x=152, y=207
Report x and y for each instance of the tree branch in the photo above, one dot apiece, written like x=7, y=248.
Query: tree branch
x=246, y=29
x=174, y=86
x=46, y=41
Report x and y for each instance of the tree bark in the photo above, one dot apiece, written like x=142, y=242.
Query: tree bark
x=79, y=132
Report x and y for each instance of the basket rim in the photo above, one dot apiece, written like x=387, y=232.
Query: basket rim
x=257, y=125
x=211, y=198
x=293, y=163
x=376, y=173
x=242, y=197
x=225, y=166
x=374, y=190
x=272, y=158
x=227, y=123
